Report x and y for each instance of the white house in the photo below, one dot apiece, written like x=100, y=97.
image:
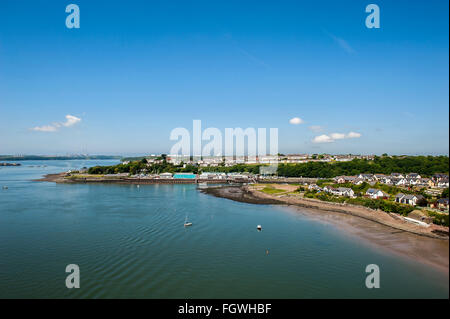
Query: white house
x=329, y=189
x=414, y=176
x=165, y=175
x=344, y=179
x=314, y=187
x=443, y=183
x=213, y=175
x=376, y=193
x=399, y=181
x=345, y=191
x=412, y=181
x=340, y=191
x=385, y=180
x=408, y=199
x=358, y=181
x=367, y=177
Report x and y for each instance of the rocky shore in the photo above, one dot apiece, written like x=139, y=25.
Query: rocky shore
x=10, y=164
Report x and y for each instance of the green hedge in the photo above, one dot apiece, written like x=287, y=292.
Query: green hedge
x=439, y=219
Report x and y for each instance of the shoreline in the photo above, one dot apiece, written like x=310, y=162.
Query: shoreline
x=89, y=178
x=249, y=194
x=399, y=239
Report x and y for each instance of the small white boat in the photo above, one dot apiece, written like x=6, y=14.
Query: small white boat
x=259, y=227
x=186, y=223
x=5, y=187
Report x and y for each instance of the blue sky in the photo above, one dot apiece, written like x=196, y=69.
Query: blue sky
x=135, y=70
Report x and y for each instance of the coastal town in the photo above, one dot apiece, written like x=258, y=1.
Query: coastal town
x=215, y=161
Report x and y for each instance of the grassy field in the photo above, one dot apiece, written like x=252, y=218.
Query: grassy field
x=271, y=190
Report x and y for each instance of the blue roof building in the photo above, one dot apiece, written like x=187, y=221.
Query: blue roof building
x=185, y=175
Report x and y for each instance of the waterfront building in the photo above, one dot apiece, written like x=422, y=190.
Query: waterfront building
x=185, y=175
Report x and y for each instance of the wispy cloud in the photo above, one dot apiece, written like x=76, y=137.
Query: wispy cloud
x=334, y=137
x=253, y=58
x=296, y=121
x=315, y=128
x=343, y=44
x=245, y=52
x=45, y=128
x=70, y=121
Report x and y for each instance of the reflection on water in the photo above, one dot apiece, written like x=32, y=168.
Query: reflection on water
x=131, y=242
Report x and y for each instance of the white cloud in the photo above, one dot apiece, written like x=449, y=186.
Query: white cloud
x=337, y=136
x=316, y=128
x=353, y=135
x=296, y=121
x=334, y=136
x=322, y=139
x=70, y=121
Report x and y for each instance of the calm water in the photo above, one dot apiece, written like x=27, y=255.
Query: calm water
x=130, y=242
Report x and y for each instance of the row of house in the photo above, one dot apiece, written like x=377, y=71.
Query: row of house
x=372, y=193
x=345, y=191
x=205, y=176
x=396, y=179
x=214, y=161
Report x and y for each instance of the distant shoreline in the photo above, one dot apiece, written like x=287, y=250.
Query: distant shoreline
x=92, y=178
x=56, y=158
x=62, y=179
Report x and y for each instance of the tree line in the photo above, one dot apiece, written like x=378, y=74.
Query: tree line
x=423, y=165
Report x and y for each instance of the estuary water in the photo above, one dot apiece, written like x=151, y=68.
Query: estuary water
x=129, y=242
